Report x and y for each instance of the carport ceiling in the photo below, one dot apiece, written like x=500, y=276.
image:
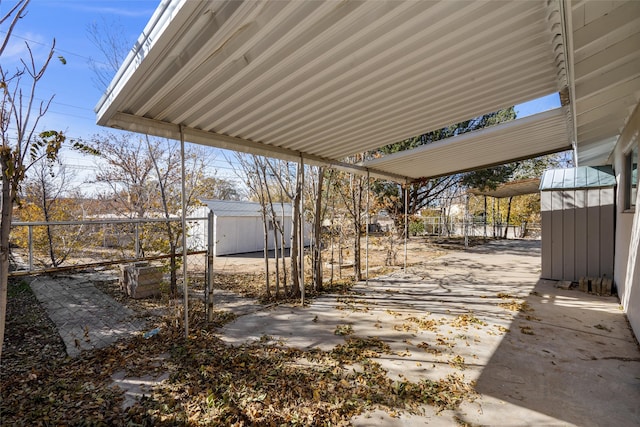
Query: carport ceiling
x=324, y=80
x=510, y=189
x=535, y=135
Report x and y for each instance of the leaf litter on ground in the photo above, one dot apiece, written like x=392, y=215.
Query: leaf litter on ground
x=213, y=383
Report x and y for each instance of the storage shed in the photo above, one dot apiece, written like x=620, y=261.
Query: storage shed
x=578, y=223
x=238, y=226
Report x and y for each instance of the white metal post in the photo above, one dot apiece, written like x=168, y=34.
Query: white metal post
x=210, y=258
x=137, y=243
x=366, y=236
x=185, y=281
x=30, y=248
x=466, y=221
x=406, y=223
x=302, y=230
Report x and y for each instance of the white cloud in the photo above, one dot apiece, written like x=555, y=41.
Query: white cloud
x=108, y=10
x=17, y=48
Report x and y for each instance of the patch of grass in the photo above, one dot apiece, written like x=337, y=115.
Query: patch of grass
x=17, y=288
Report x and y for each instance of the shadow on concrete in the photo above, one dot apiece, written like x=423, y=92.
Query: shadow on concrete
x=567, y=358
x=572, y=357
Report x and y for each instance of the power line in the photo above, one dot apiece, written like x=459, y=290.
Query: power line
x=57, y=50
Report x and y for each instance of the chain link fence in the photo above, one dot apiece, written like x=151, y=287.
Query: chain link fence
x=59, y=246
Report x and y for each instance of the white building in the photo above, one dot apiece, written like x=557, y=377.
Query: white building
x=238, y=227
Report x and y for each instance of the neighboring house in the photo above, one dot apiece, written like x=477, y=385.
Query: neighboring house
x=238, y=227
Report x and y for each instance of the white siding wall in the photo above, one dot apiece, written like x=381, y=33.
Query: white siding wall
x=627, y=250
x=235, y=235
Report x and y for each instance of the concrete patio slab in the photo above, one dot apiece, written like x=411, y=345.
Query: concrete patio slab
x=538, y=355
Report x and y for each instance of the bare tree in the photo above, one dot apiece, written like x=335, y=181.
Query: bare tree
x=126, y=170
x=110, y=40
x=351, y=189
x=316, y=190
x=21, y=146
x=45, y=191
x=255, y=174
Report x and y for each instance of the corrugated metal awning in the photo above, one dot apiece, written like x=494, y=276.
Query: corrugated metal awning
x=577, y=178
x=534, y=135
x=606, y=70
x=511, y=189
x=324, y=80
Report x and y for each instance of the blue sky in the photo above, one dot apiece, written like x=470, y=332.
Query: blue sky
x=75, y=93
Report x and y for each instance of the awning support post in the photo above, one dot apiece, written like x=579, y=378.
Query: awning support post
x=406, y=223
x=210, y=258
x=366, y=236
x=466, y=221
x=301, y=237
x=185, y=280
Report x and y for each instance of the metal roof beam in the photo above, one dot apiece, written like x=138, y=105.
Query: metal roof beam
x=212, y=139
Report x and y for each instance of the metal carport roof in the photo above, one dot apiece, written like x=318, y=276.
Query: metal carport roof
x=324, y=80
x=532, y=136
x=510, y=189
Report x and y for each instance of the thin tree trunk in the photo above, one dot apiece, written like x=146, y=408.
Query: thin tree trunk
x=283, y=250
x=45, y=211
x=276, y=228
x=356, y=191
x=317, y=230
x=295, y=272
x=265, y=222
x=5, y=230
x=173, y=287
x=506, y=228
x=276, y=258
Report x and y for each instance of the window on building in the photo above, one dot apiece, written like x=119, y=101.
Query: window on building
x=631, y=178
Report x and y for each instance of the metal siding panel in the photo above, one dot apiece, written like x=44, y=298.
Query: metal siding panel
x=559, y=179
x=580, y=236
x=547, y=179
x=607, y=232
x=557, y=248
x=593, y=177
x=568, y=235
x=224, y=244
x=581, y=178
x=593, y=232
x=257, y=237
x=216, y=248
x=547, y=224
